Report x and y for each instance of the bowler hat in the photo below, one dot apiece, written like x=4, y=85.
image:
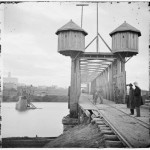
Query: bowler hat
x=129, y=84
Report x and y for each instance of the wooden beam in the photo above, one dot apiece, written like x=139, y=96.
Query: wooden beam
x=95, y=65
x=97, y=58
x=92, y=69
x=100, y=64
x=97, y=55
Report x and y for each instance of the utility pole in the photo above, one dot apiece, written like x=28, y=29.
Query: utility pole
x=149, y=61
x=82, y=11
x=97, y=41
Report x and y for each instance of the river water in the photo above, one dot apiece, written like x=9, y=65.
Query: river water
x=46, y=121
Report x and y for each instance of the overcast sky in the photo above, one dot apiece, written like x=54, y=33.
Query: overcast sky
x=30, y=43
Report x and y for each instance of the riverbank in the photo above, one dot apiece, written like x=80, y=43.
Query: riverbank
x=81, y=136
x=25, y=142
x=46, y=98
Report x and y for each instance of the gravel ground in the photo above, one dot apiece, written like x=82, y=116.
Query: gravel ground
x=81, y=136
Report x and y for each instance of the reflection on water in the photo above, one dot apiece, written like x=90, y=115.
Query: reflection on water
x=46, y=121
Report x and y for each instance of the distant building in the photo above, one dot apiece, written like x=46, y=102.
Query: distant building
x=42, y=87
x=40, y=91
x=10, y=82
x=10, y=92
x=43, y=91
x=21, y=84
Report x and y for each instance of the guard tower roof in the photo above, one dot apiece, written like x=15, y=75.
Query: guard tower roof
x=125, y=27
x=72, y=27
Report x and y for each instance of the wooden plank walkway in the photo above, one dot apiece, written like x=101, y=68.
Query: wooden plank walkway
x=85, y=102
x=131, y=128
x=86, y=105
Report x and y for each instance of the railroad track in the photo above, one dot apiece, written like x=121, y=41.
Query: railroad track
x=112, y=138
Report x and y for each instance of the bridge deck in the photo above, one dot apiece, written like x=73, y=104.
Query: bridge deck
x=133, y=129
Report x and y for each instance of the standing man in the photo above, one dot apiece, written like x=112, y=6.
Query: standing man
x=95, y=96
x=131, y=99
x=117, y=95
x=137, y=97
x=100, y=95
x=93, y=93
x=127, y=97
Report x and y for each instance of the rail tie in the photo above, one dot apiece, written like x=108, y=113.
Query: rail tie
x=111, y=139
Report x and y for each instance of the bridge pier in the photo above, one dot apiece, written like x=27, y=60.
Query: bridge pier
x=72, y=120
x=69, y=122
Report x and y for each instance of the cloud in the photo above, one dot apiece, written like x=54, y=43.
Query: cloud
x=30, y=45
x=26, y=60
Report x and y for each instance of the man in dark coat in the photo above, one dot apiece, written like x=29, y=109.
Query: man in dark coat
x=94, y=96
x=137, y=97
x=98, y=94
x=127, y=97
x=131, y=99
x=117, y=95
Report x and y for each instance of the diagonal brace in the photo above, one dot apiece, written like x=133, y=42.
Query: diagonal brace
x=90, y=43
x=105, y=42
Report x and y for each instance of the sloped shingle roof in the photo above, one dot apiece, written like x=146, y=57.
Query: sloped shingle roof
x=71, y=26
x=125, y=27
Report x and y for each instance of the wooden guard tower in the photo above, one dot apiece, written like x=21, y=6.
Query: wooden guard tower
x=71, y=39
x=71, y=42
x=124, y=46
x=125, y=40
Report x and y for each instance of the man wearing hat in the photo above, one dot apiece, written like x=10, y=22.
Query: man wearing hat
x=137, y=97
x=131, y=99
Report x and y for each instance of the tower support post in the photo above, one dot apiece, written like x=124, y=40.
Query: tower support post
x=75, y=88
